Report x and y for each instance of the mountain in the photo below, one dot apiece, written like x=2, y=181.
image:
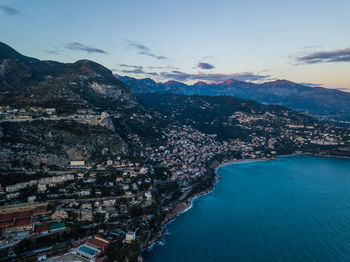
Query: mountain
x=147, y=85
x=323, y=102
x=26, y=81
x=218, y=115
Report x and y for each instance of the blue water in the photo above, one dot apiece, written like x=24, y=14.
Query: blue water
x=294, y=209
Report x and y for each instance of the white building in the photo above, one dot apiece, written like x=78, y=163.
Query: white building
x=148, y=195
x=130, y=236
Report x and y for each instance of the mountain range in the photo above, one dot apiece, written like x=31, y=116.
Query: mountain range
x=318, y=101
x=26, y=81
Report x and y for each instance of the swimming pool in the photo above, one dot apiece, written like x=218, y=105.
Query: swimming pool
x=88, y=250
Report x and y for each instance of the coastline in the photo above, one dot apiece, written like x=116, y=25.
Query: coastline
x=187, y=204
x=239, y=161
x=332, y=156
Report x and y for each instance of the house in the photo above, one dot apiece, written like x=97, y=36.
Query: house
x=41, y=229
x=41, y=257
x=85, y=193
x=91, y=248
x=77, y=163
x=86, y=206
x=130, y=236
x=143, y=170
x=125, y=187
x=31, y=198
x=50, y=111
x=148, y=195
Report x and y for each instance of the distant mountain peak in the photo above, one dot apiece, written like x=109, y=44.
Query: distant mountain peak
x=280, y=82
x=229, y=82
x=201, y=83
x=172, y=82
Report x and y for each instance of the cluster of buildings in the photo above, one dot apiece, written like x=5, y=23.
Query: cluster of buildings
x=7, y=112
x=302, y=135
x=185, y=153
x=25, y=220
x=84, y=116
x=52, y=180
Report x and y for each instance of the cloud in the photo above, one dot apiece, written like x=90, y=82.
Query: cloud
x=339, y=55
x=138, y=46
x=144, y=50
x=308, y=47
x=181, y=76
x=157, y=67
x=52, y=51
x=9, y=10
x=206, y=66
x=76, y=46
x=152, y=73
x=138, y=71
x=130, y=66
x=133, y=71
x=152, y=55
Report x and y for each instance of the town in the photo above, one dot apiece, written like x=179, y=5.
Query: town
x=87, y=209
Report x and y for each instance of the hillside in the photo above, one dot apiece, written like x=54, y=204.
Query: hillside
x=327, y=103
x=224, y=116
x=147, y=85
x=26, y=81
x=52, y=144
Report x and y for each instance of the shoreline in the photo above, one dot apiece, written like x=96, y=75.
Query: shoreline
x=332, y=156
x=188, y=203
x=239, y=161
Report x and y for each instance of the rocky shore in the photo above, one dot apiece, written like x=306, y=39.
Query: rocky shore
x=182, y=207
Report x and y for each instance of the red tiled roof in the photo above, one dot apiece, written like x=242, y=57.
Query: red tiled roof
x=41, y=228
x=5, y=224
x=22, y=221
x=40, y=210
x=76, y=244
x=8, y=216
x=97, y=242
x=24, y=214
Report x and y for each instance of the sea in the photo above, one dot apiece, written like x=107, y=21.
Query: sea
x=296, y=208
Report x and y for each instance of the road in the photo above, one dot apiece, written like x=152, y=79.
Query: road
x=68, y=200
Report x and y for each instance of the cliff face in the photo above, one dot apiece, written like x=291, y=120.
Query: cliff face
x=55, y=143
x=29, y=81
x=178, y=208
x=107, y=121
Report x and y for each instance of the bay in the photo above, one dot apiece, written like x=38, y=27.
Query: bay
x=296, y=208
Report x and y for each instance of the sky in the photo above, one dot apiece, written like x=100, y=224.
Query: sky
x=188, y=40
